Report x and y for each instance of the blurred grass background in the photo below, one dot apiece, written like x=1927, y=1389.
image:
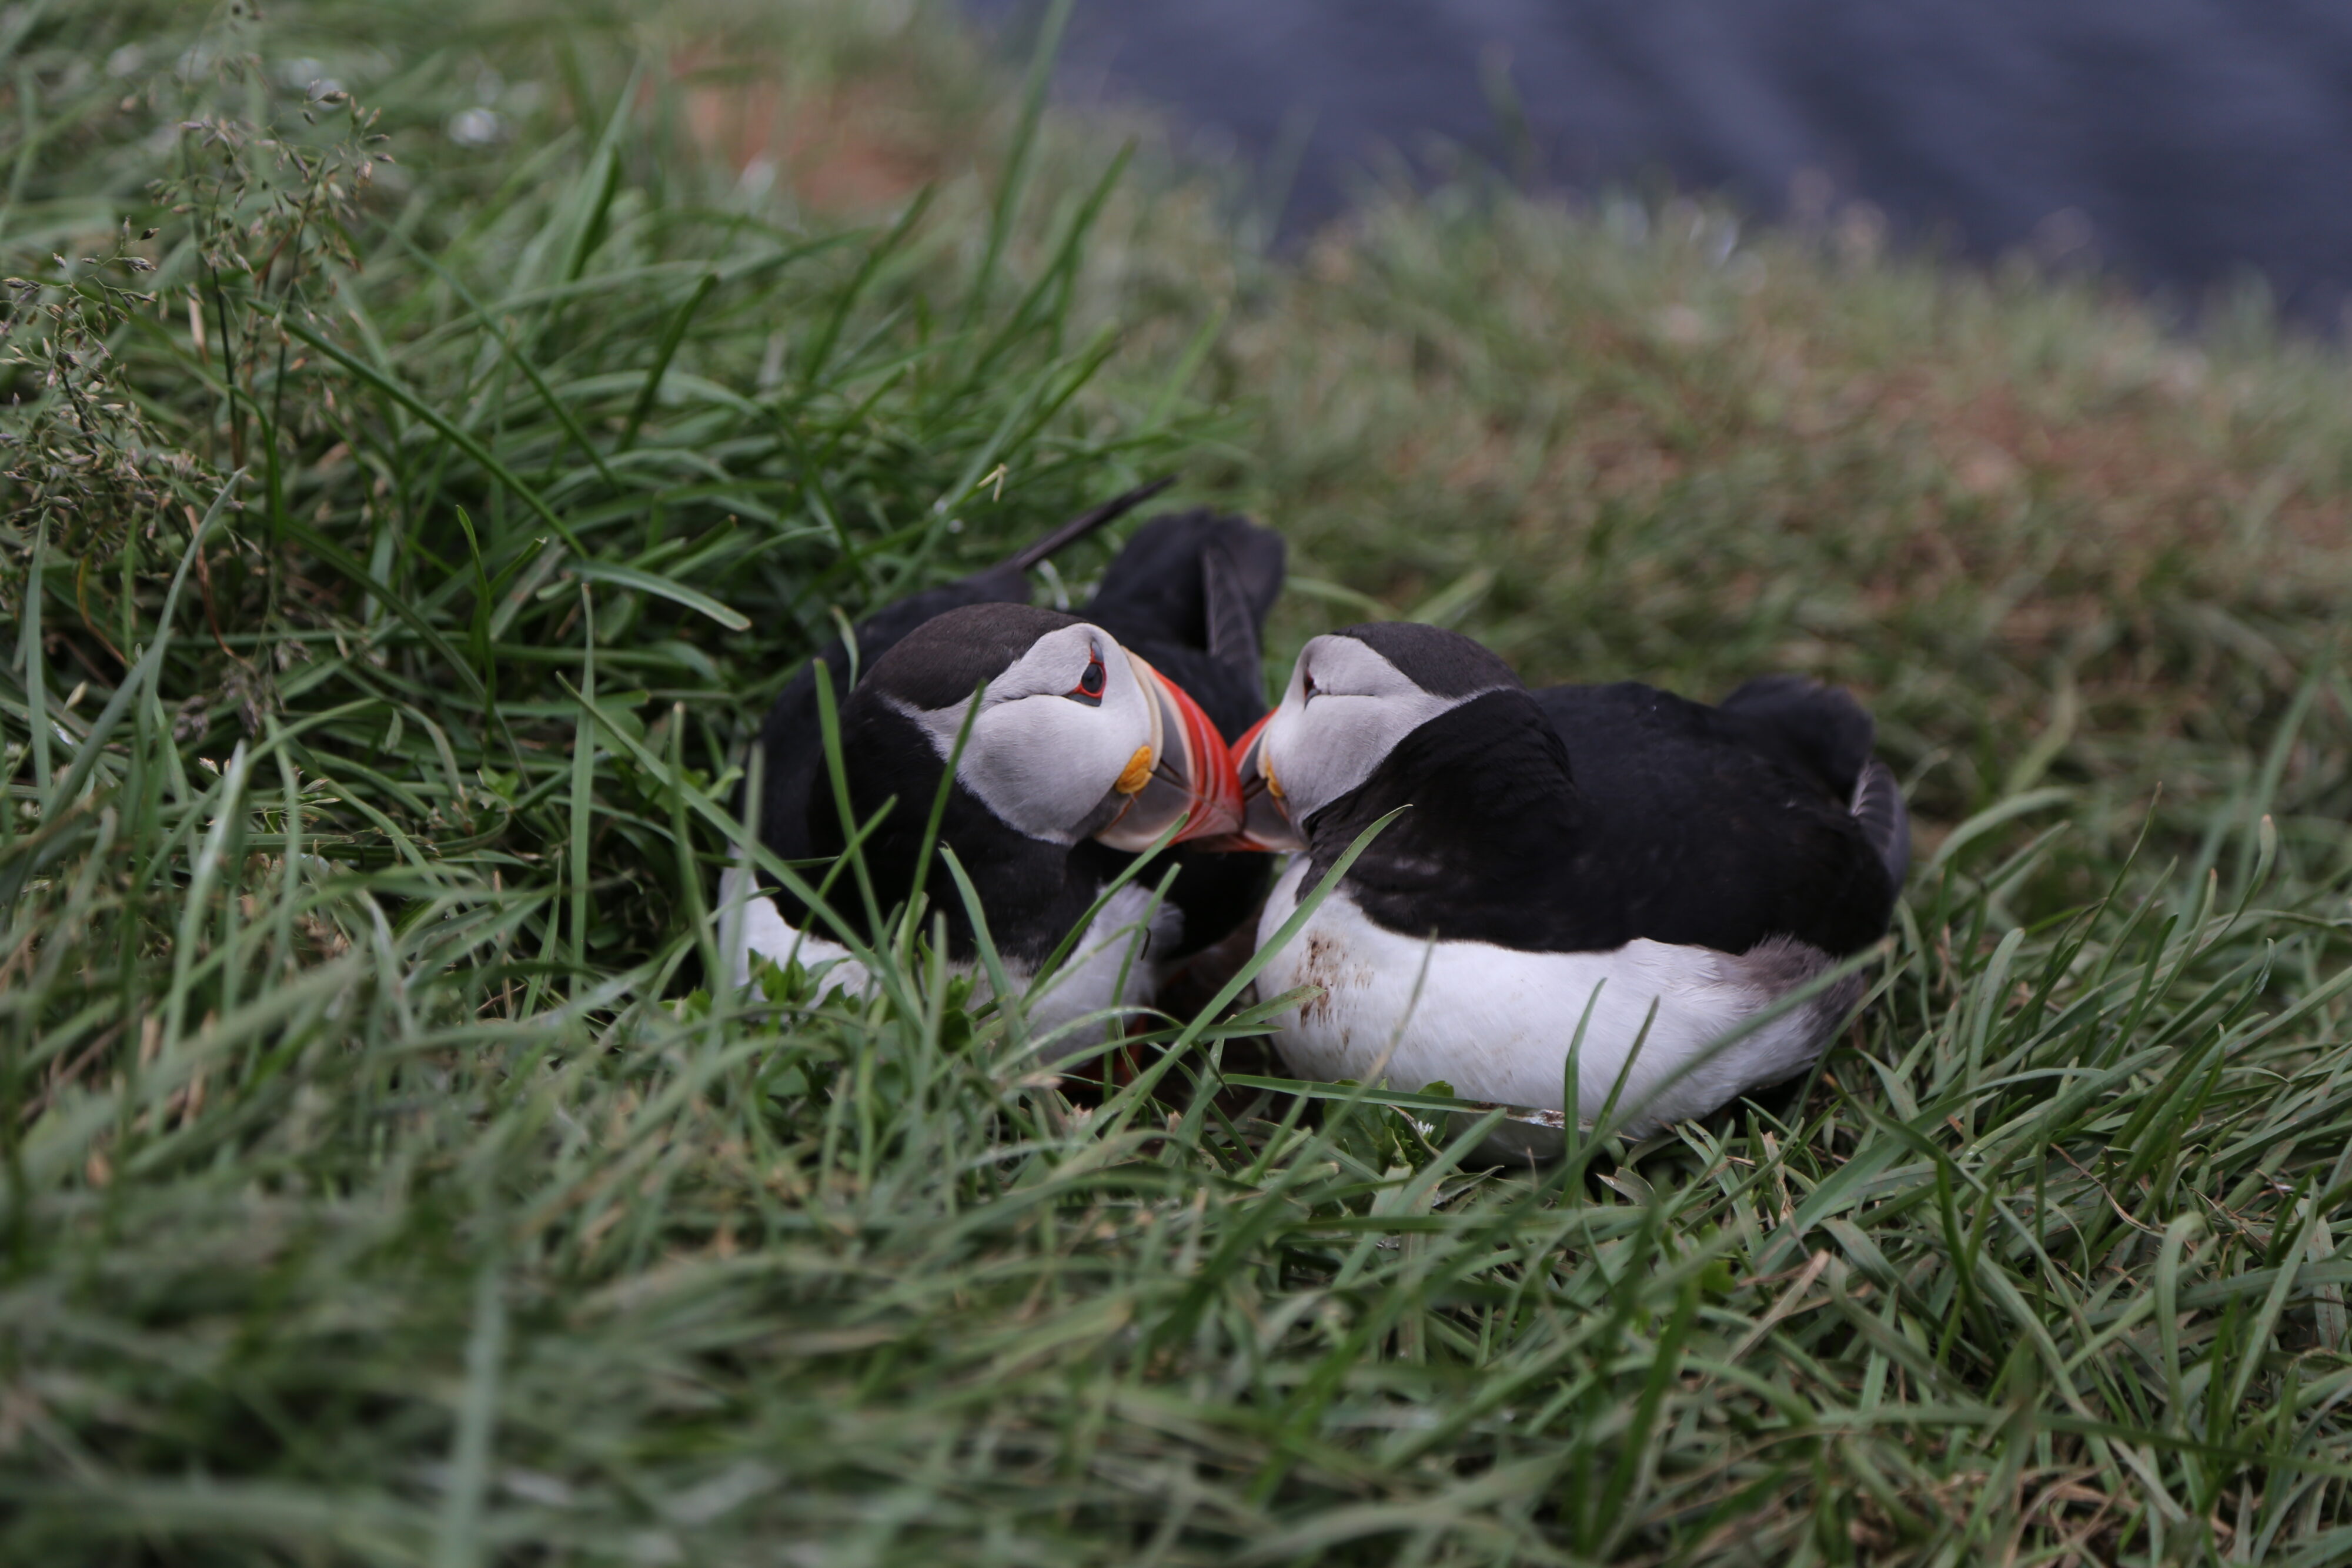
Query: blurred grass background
x=398, y=554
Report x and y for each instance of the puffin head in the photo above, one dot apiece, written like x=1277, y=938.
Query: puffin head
x=1074, y=737
x=1353, y=695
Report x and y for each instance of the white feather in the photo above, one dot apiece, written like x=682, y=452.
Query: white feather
x=1320, y=745
x=1112, y=966
x=1496, y=1023
x=753, y=924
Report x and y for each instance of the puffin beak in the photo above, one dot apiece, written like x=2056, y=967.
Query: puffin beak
x=1186, y=773
x=1265, y=819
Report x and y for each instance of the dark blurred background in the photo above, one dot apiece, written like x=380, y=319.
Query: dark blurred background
x=2186, y=145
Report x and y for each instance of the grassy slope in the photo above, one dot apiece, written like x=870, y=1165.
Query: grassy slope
x=376, y=1191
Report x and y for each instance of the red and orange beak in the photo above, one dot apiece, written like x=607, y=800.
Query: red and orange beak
x=1265, y=819
x=1186, y=772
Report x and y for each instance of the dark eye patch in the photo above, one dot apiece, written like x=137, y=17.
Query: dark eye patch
x=1089, y=689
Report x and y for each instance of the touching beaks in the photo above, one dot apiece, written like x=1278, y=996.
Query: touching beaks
x=1187, y=770
x=1265, y=821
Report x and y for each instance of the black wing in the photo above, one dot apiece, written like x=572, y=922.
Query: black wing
x=1826, y=733
x=1734, y=823
x=1577, y=818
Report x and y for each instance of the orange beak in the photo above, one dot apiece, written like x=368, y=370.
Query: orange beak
x=1186, y=773
x=1265, y=821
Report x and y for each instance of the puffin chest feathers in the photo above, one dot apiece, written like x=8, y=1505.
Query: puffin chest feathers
x=1113, y=964
x=1496, y=1023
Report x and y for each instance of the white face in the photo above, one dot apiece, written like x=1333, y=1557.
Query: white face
x=1045, y=750
x=1346, y=708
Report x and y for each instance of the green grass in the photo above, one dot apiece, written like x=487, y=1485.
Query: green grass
x=381, y=1185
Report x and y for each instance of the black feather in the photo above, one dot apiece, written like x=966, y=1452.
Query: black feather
x=1233, y=621
x=1809, y=726
x=1577, y=818
x=1885, y=821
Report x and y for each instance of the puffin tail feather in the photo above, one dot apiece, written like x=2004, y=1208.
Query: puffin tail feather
x=1885, y=819
x=1819, y=729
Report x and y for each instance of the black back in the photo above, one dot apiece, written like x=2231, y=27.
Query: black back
x=1808, y=727
x=1577, y=818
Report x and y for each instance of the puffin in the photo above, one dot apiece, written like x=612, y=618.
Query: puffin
x=1610, y=859
x=1095, y=734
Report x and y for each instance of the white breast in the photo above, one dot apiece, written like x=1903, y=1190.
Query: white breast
x=1496, y=1023
x=1113, y=966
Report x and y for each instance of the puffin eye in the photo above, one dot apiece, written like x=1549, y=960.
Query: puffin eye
x=1089, y=689
x=1307, y=688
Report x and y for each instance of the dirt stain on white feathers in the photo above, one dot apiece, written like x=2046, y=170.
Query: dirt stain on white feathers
x=1318, y=968
x=1325, y=965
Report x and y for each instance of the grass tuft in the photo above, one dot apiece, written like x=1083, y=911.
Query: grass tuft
x=400, y=552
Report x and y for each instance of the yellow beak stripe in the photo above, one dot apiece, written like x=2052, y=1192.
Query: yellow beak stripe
x=1137, y=774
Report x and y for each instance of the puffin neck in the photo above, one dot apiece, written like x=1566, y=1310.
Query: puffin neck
x=1028, y=886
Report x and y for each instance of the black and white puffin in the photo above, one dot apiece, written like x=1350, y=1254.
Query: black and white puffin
x=1095, y=734
x=1614, y=846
